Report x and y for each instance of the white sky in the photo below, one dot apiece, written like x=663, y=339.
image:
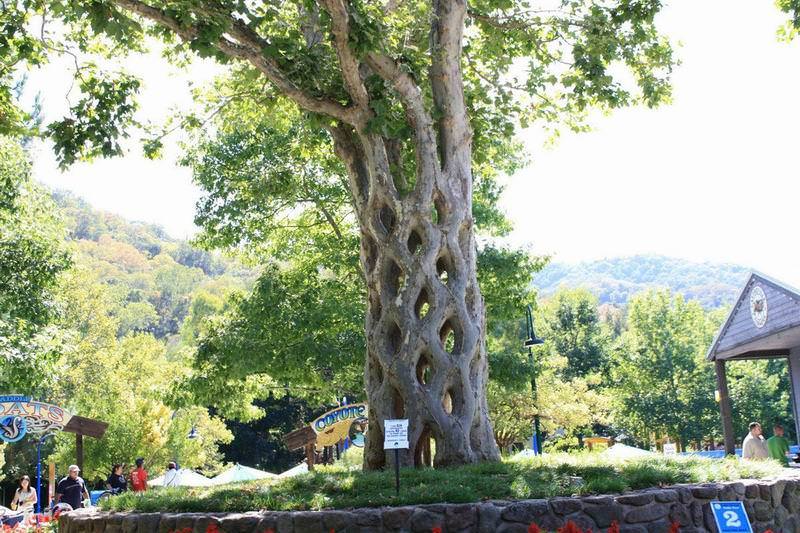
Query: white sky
x=713, y=176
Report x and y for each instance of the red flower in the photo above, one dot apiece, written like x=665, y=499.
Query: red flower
x=212, y=528
x=436, y=529
x=614, y=527
x=533, y=528
x=570, y=527
x=675, y=528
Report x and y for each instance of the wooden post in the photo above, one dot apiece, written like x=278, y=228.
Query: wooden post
x=310, y=453
x=794, y=377
x=79, y=451
x=725, y=407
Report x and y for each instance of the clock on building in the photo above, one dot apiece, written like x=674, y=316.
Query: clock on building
x=758, y=306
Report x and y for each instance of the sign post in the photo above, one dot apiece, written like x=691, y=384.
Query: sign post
x=731, y=517
x=670, y=448
x=396, y=438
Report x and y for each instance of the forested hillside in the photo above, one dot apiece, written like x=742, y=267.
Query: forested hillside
x=100, y=316
x=157, y=281
x=616, y=279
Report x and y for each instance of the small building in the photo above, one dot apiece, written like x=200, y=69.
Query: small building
x=763, y=324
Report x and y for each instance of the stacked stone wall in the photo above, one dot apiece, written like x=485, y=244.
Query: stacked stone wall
x=771, y=505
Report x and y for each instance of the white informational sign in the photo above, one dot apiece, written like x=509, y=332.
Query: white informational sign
x=395, y=434
x=670, y=448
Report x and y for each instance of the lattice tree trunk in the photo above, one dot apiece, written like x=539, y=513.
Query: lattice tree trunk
x=425, y=324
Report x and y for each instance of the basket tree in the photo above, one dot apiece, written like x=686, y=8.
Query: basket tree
x=412, y=96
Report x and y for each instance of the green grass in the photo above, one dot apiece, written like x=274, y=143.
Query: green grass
x=343, y=487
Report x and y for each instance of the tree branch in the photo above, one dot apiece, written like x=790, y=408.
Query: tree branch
x=419, y=118
x=250, y=48
x=347, y=60
x=348, y=150
x=447, y=30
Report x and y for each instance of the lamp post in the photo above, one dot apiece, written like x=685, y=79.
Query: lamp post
x=530, y=341
x=193, y=434
x=39, y=472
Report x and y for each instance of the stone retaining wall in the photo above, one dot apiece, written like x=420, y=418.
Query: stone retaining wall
x=771, y=504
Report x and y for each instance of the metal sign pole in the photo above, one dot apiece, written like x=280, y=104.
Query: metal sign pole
x=39, y=476
x=39, y=472
x=397, y=472
x=395, y=436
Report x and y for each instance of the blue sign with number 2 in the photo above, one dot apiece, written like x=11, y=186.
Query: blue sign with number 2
x=731, y=517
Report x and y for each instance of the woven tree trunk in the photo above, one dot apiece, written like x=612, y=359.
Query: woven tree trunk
x=426, y=356
x=425, y=326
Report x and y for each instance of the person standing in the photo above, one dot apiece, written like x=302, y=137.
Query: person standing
x=778, y=445
x=116, y=482
x=754, y=446
x=24, y=497
x=139, y=476
x=72, y=489
x=171, y=475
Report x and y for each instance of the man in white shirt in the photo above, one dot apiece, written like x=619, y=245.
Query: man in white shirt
x=754, y=445
x=171, y=476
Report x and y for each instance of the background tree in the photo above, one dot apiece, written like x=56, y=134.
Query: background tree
x=259, y=443
x=412, y=109
x=32, y=256
x=790, y=29
x=663, y=384
x=566, y=405
x=572, y=329
x=760, y=392
x=125, y=382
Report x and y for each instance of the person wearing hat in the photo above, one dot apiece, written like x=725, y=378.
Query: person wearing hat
x=72, y=489
x=139, y=476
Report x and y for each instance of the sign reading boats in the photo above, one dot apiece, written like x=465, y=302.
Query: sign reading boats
x=22, y=414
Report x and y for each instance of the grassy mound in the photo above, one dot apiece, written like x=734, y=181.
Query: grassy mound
x=344, y=487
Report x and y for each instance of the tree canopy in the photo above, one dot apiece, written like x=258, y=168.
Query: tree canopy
x=32, y=255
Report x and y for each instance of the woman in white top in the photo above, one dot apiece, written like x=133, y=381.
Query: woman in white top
x=171, y=475
x=25, y=497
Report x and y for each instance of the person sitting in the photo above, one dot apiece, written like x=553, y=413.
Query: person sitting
x=25, y=497
x=754, y=446
x=116, y=481
x=171, y=475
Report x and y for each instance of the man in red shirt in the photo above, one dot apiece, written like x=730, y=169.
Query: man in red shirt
x=139, y=477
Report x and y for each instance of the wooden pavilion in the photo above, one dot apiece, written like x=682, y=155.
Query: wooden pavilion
x=764, y=324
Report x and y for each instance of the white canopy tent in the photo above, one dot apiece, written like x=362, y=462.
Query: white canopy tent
x=623, y=451
x=239, y=472
x=302, y=468
x=184, y=478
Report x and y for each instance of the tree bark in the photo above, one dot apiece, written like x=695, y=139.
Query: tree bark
x=425, y=327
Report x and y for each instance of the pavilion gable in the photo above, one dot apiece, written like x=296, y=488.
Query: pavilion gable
x=764, y=308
